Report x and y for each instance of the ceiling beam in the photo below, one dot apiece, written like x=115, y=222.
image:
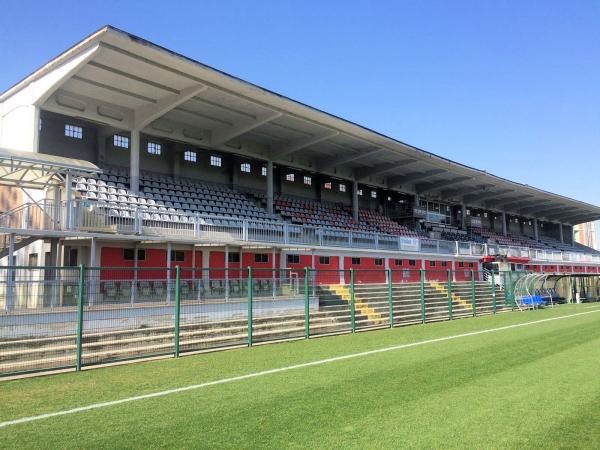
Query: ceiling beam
x=147, y=114
x=288, y=148
x=567, y=215
x=510, y=206
x=378, y=169
x=483, y=196
x=437, y=185
x=398, y=180
x=544, y=209
x=330, y=162
x=497, y=202
x=453, y=193
x=221, y=135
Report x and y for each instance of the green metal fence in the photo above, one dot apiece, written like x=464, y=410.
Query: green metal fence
x=74, y=317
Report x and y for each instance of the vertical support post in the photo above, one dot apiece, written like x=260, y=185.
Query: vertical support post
x=249, y=306
x=352, y=312
x=79, y=340
x=10, y=273
x=504, y=230
x=306, y=305
x=473, y=299
x=512, y=292
x=355, y=200
x=273, y=273
x=135, y=273
x=270, y=187
x=390, y=299
x=493, y=293
x=560, y=233
x=450, y=294
x=92, y=275
x=69, y=200
x=134, y=161
x=177, y=309
x=422, y=272
x=536, y=231
x=226, y=273
x=169, y=251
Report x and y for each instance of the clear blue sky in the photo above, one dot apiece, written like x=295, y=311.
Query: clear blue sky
x=512, y=87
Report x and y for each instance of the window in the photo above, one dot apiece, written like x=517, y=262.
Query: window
x=406, y=274
x=471, y=265
x=128, y=254
x=360, y=192
x=33, y=259
x=342, y=187
x=373, y=194
x=327, y=185
x=73, y=257
x=261, y=258
x=245, y=167
x=289, y=177
x=216, y=161
x=307, y=180
x=431, y=263
x=293, y=259
x=233, y=258
x=412, y=262
x=324, y=260
x=154, y=148
x=264, y=171
x=190, y=156
x=444, y=263
x=120, y=141
x=378, y=261
x=73, y=131
x=397, y=262
x=177, y=256
x=461, y=264
x=356, y=261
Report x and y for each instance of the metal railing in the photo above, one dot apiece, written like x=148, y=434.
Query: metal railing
x=98, y=217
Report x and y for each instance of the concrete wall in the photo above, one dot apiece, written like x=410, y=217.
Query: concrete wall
x=54, y=142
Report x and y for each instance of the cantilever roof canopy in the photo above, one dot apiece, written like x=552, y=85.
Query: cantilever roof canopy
x=37, y=170
x=124, y=82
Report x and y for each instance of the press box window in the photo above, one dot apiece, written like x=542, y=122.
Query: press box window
x=177, y=256
x=356, y=261
x=216, y=161
x=378, y=262
x=120, y=141
x=307, y=180
x=324, y=260
x=293, y=259
x=327, y=185
x=373, y=194
x=154, y=148
x=289, y=177
x=245, y=167
x=342, y=188
x=190, y=156
x=264, y=171
x=261, y=258
x=73, y=131
x=128, y=254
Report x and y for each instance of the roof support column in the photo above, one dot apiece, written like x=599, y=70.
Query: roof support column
x=270, y=187
x=463, y=216
x=10, y=274
x=134, y=161
x=560, y=233
x=69, y=200
x=355, y=215
x=504, y=223
x=536, y=231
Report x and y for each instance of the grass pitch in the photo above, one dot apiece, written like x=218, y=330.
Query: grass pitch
x=531, y=386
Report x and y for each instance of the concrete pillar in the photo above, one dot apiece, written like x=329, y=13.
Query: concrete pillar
x=355, y=215
x=270, y=187
x=560, y=233
x=342, y=271
x=463, y=216
x=273, y=272
x=69, y=200
x=136, y=264
x=504, y=231
x=536, y=231
x=386, y=262
x=226, y=272
x=93, y=274
x=134, y=161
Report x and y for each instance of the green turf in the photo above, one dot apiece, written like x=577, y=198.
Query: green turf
x=534, y=386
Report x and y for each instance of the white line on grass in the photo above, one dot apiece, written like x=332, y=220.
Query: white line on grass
x=280, y=369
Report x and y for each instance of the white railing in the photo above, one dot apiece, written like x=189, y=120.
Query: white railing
x=91, y=216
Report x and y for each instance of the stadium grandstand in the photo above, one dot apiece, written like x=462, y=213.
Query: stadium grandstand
x=121, y=153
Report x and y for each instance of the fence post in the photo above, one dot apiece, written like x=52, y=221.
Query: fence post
x=249, y=306
x=79, y=341
x=512, y=292
x=493, y=293
x=352, y=314
x=390, y=301
x=306, y=305
x=450, y=294
x=422, y=295
x=473, y=300
x=177, y=308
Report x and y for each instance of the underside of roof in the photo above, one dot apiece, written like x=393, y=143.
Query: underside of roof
x=36, y=170
x=124, y=82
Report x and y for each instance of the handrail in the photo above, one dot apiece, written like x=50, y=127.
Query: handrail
x=90, y=215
